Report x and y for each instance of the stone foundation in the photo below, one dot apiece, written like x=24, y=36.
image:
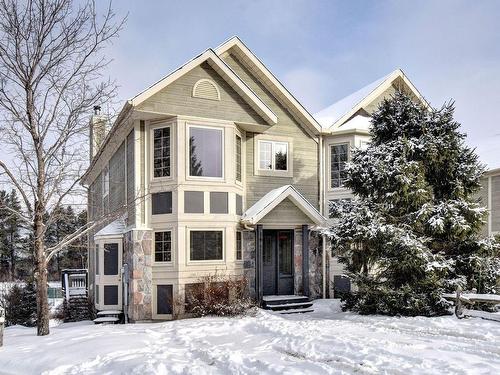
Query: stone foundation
x=137, y=254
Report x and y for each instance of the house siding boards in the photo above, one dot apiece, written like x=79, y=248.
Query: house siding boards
x=305, y=148
x=482, y=197
x=495, y=204
x=285, y=213
x=130, y=160
x=117, y=179
x=177, y=99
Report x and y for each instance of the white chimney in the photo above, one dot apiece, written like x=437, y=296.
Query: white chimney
x=97, y=129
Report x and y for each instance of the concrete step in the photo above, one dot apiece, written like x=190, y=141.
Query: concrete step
x=109, y=312
x=106, y=320
x=289, y=306
x=294, y=311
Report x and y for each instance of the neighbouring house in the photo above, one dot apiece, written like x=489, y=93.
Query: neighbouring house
x=490, y=198
x=218, y=168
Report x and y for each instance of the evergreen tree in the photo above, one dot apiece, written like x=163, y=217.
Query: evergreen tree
x=413, y=230
x=10, y=232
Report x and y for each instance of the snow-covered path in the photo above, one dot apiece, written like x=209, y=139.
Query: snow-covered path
x=326, y=341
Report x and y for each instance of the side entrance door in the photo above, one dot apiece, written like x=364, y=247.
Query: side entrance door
x=277, y=262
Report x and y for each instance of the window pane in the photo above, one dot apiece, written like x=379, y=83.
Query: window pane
x=111, y=259
x=238, y=158
x=238, y=246
x=205, y=152
x=239, y=204
x=285, y=253
x=161, y=203
x=206, y=245
x=193, y=202
x=338, y=159
x=161, y=153
x=280, y=156
x=163, y=246
x=97, y=294
x=218, y=203
x=164, y=299
x=111, y=294
x=97, y=259
x=265, y=155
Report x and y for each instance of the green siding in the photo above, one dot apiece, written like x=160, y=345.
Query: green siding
x=117, y=179
x=177, y=99
x=130, y=179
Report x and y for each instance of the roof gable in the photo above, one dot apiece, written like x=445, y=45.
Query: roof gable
x=224, y=71
x=271, y=82
x=334, y=116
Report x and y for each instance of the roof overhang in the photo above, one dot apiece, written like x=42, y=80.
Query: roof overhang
x=115, y=229
x=276, y=87
x=269, y=201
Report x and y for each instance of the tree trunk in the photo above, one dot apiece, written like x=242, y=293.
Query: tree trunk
x=42, y=301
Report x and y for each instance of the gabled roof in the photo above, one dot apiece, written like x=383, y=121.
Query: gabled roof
x=333, y=116
x=269, y=201
x=221, y=68
x=268, y=78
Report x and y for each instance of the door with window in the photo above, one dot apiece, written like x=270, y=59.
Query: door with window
x=110, y=275
x=277, y=262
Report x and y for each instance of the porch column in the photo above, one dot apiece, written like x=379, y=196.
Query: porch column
x=259, y=244
x=305, y=259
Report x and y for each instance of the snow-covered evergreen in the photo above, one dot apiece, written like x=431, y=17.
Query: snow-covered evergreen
x=412, y=231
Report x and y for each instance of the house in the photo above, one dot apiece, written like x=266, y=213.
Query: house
x=218, y=168
x=489, y=196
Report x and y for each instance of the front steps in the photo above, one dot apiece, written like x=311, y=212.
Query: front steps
x=108, y=317
x=287, y=304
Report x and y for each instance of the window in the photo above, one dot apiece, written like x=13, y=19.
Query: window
x=163, y=246
x=238, y=158
x=111, y=294
x=205, y=245
x=161, y=203
x=205, y=152
x=218, y=203
x=194, y=202
x=273, y=156
x=111, y=259
x=97, y=294
x=238, y=246
x=97, y=259
x=164, y=299
x=161, y=152
x=338, y=160
x=239, y=204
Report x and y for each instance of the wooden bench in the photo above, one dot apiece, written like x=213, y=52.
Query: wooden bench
x=469, y=299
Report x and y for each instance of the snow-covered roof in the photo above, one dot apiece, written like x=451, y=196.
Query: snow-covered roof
x=114, y=228
x=274, y=197
x=331, y=114
x=358, y=122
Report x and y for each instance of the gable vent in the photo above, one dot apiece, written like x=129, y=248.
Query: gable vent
x=206, y=89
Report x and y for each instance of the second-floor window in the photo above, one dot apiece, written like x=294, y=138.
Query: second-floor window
x=338, y=159
x=273, y=155
x=163, y=246
x=161, y=152
x=205, y=152
x=238, y=158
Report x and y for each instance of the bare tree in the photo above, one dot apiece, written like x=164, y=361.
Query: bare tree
x=51, y=75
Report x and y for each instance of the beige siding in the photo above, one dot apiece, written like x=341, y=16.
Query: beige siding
x=117, y=179
x=482, y=196
x=177, y=99
x=495, y=204
x=373, y=106
x=305, y=149
x=130, y=179
x=285, y=212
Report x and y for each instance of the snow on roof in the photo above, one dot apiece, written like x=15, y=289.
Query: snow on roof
x=331, y=114
x=269, y=201
x=358, y=122
x=116, y=227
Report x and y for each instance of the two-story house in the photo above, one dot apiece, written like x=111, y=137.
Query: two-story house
x=218, y=168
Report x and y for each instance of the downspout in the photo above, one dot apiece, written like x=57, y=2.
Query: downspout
x=321, y=209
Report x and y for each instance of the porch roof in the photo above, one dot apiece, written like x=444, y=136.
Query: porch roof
x=274, y=197
x=115, y=228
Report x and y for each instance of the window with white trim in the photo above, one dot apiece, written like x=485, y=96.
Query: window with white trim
x=339, y=155
x=239, y=244
x=206, y=151
x=161, y=152
x=205, y=245
x=238, y=158
x=163, y=246
x=273, y=155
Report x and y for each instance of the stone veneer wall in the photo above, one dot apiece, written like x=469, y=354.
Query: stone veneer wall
x=249, y=260
x=138, y=246
x=315, y=265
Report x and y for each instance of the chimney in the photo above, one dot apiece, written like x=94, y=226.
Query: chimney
x=97, y=129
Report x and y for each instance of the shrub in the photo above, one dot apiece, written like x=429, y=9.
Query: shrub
x=77, y=310
x=218, y=295
x=20, y=305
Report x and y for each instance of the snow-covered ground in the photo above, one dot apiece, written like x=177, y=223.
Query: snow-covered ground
x=326, y=341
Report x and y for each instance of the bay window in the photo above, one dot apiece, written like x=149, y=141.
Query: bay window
x=206, y=152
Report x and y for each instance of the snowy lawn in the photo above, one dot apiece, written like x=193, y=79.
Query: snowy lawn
x=326, y=341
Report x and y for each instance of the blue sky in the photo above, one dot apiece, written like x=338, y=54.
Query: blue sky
x=324, y=50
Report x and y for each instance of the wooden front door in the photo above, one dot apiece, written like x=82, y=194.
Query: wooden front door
x=277, y=262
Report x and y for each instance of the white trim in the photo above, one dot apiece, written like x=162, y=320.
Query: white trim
x=222, y=130
x=329, y=157
x=293, y=104
x=223, y=69
x=154, y=300
x=490, y=208
x=189, y=261
x=172, y=252
x=269, y=201
x=236, y=247
x=150, y=152
x=202, y=80
x=258, y=138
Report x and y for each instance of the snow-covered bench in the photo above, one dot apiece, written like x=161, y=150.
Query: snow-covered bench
x=469, y=299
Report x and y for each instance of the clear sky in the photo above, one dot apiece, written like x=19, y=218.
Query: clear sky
x=325, y=50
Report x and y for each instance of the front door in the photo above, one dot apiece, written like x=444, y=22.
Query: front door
x=277, y=262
